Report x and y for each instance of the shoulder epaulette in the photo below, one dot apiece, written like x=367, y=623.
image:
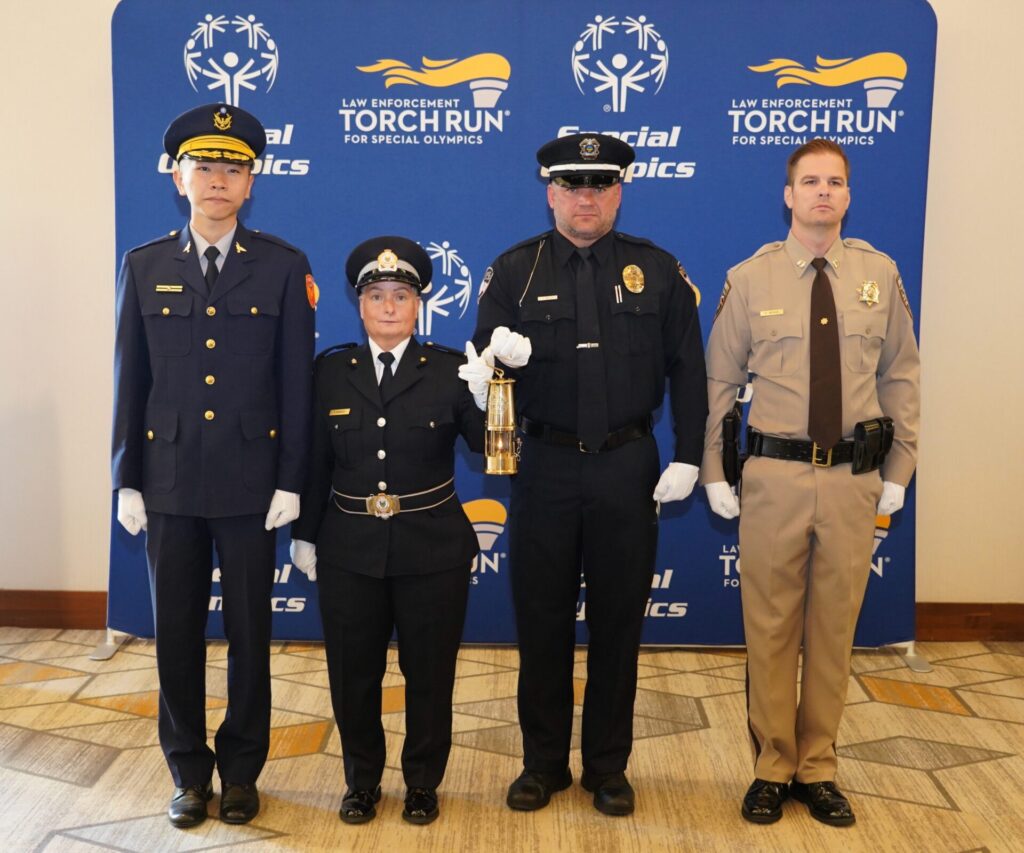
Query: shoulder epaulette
x=764, y=250
x=527, y=242
x=163, y=238
x=272, y=238
x=336, y=349
x=442, y=348
x=865, y=246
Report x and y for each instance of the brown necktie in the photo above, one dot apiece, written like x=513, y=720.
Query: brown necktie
x=825, y=404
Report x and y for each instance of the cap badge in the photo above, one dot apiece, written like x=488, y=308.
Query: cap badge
x=222, y=120
x=590, y=148
x=633, y=278
x=868, y=292
x=387, y=261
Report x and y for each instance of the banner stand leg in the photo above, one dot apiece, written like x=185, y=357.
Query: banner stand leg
x=911, y=658
x=109, y=645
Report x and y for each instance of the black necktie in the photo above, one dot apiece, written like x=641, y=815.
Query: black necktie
x=387, y=377
x=591, y=393
x=825, y=403
x=211, y=267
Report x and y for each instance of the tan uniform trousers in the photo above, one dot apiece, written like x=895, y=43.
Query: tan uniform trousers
x=806, y=536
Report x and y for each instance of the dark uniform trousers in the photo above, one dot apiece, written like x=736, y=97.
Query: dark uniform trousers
x=211, y=414
x=594, y=514
x=408, y=573
x=564, y=520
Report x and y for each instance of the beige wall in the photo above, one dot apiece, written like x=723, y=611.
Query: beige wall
x=55, y=344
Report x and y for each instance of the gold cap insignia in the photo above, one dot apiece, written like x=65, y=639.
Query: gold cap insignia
x=387, y=261
x=222, y=119
x=590, y=148
x=633, y=278
x=868, y=292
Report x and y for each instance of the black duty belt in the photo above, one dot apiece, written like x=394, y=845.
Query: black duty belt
x=759, y=444
x=550, y=435
x=383, y=505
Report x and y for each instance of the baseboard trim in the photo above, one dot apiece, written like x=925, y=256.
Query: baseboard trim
x=936, y=621
x=956, y=622
x=53, y=608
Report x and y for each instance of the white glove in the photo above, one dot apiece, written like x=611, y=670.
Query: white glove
x=510, y=347
x=284, y=508
x=892, y=498
x=676, y=482
x=131, y=510
x=475, y=373
x=722, y=499
x=303, y=556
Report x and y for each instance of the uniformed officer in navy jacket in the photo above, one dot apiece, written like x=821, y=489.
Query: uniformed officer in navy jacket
x=393, y=547
x=212, y=391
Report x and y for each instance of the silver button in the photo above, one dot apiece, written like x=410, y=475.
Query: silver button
x=381, y=454
x=381, y=421
x=382, y=485
x=431, y=424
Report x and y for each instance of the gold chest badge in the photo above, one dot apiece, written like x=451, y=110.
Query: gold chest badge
x=868, y=292
x=633, y=278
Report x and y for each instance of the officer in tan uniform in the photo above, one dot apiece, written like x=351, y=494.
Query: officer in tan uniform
x=817, y=471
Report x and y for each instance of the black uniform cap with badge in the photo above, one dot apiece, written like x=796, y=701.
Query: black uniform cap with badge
x=389, y=259
x=217, y=133
x=585, y=160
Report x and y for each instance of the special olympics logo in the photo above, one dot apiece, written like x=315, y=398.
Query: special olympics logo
x=450, y=290
x=230, y=60
x=607, y=58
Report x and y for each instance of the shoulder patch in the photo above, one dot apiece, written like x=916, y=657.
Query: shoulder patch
x=721, y=299
x=484, y=283
x=689, y=281
x=903, y=295
x=442, y=348
x=277, y=241
x=163, y=238
x=335, y=350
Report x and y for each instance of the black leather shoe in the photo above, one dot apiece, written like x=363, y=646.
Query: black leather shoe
x=420, y=806
x=533, y=789
x=188, y=805
x=763, y=801
x=357, y=805
x=239, y=803
x=613, y=795
x=825, y=802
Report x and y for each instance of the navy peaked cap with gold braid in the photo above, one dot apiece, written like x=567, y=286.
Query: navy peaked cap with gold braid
x=217, y=132
x=389, y=259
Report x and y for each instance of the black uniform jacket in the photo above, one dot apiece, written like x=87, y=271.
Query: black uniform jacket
x=649, y=334
x=404, y=445
x=212, y=393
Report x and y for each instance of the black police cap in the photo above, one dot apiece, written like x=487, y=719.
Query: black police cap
x=585, y=159
x=389, y=259
x=218, y=132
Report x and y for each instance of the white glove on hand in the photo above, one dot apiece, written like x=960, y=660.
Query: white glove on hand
x=509, y=347
x=131, y=510
x=284, y=508
x=892, y=498
x=475, y=373
x=722, y=499
x=676, y=482
x=303, y=556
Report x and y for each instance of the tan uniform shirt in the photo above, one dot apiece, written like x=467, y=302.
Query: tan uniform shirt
x=761, y=327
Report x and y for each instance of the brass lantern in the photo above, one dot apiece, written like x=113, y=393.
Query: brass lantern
x=501, y=444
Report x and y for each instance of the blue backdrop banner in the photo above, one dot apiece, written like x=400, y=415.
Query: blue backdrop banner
x=422, y=119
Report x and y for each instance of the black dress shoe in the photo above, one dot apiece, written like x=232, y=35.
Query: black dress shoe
x=763, y=801
x=188, y=805
x=825, y=802
x=239, y=803
x=420, y=806
x=357, y=805
x=533, y=789
x=613, y=795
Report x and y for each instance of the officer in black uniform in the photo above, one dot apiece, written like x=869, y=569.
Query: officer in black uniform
x=593, y=322
x=393, y=547
x=212, y=394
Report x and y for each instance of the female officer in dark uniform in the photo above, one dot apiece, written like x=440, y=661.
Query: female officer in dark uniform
x=393, y=546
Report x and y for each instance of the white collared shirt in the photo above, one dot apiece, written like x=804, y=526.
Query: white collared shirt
x=223, y=246
x=378, y=365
